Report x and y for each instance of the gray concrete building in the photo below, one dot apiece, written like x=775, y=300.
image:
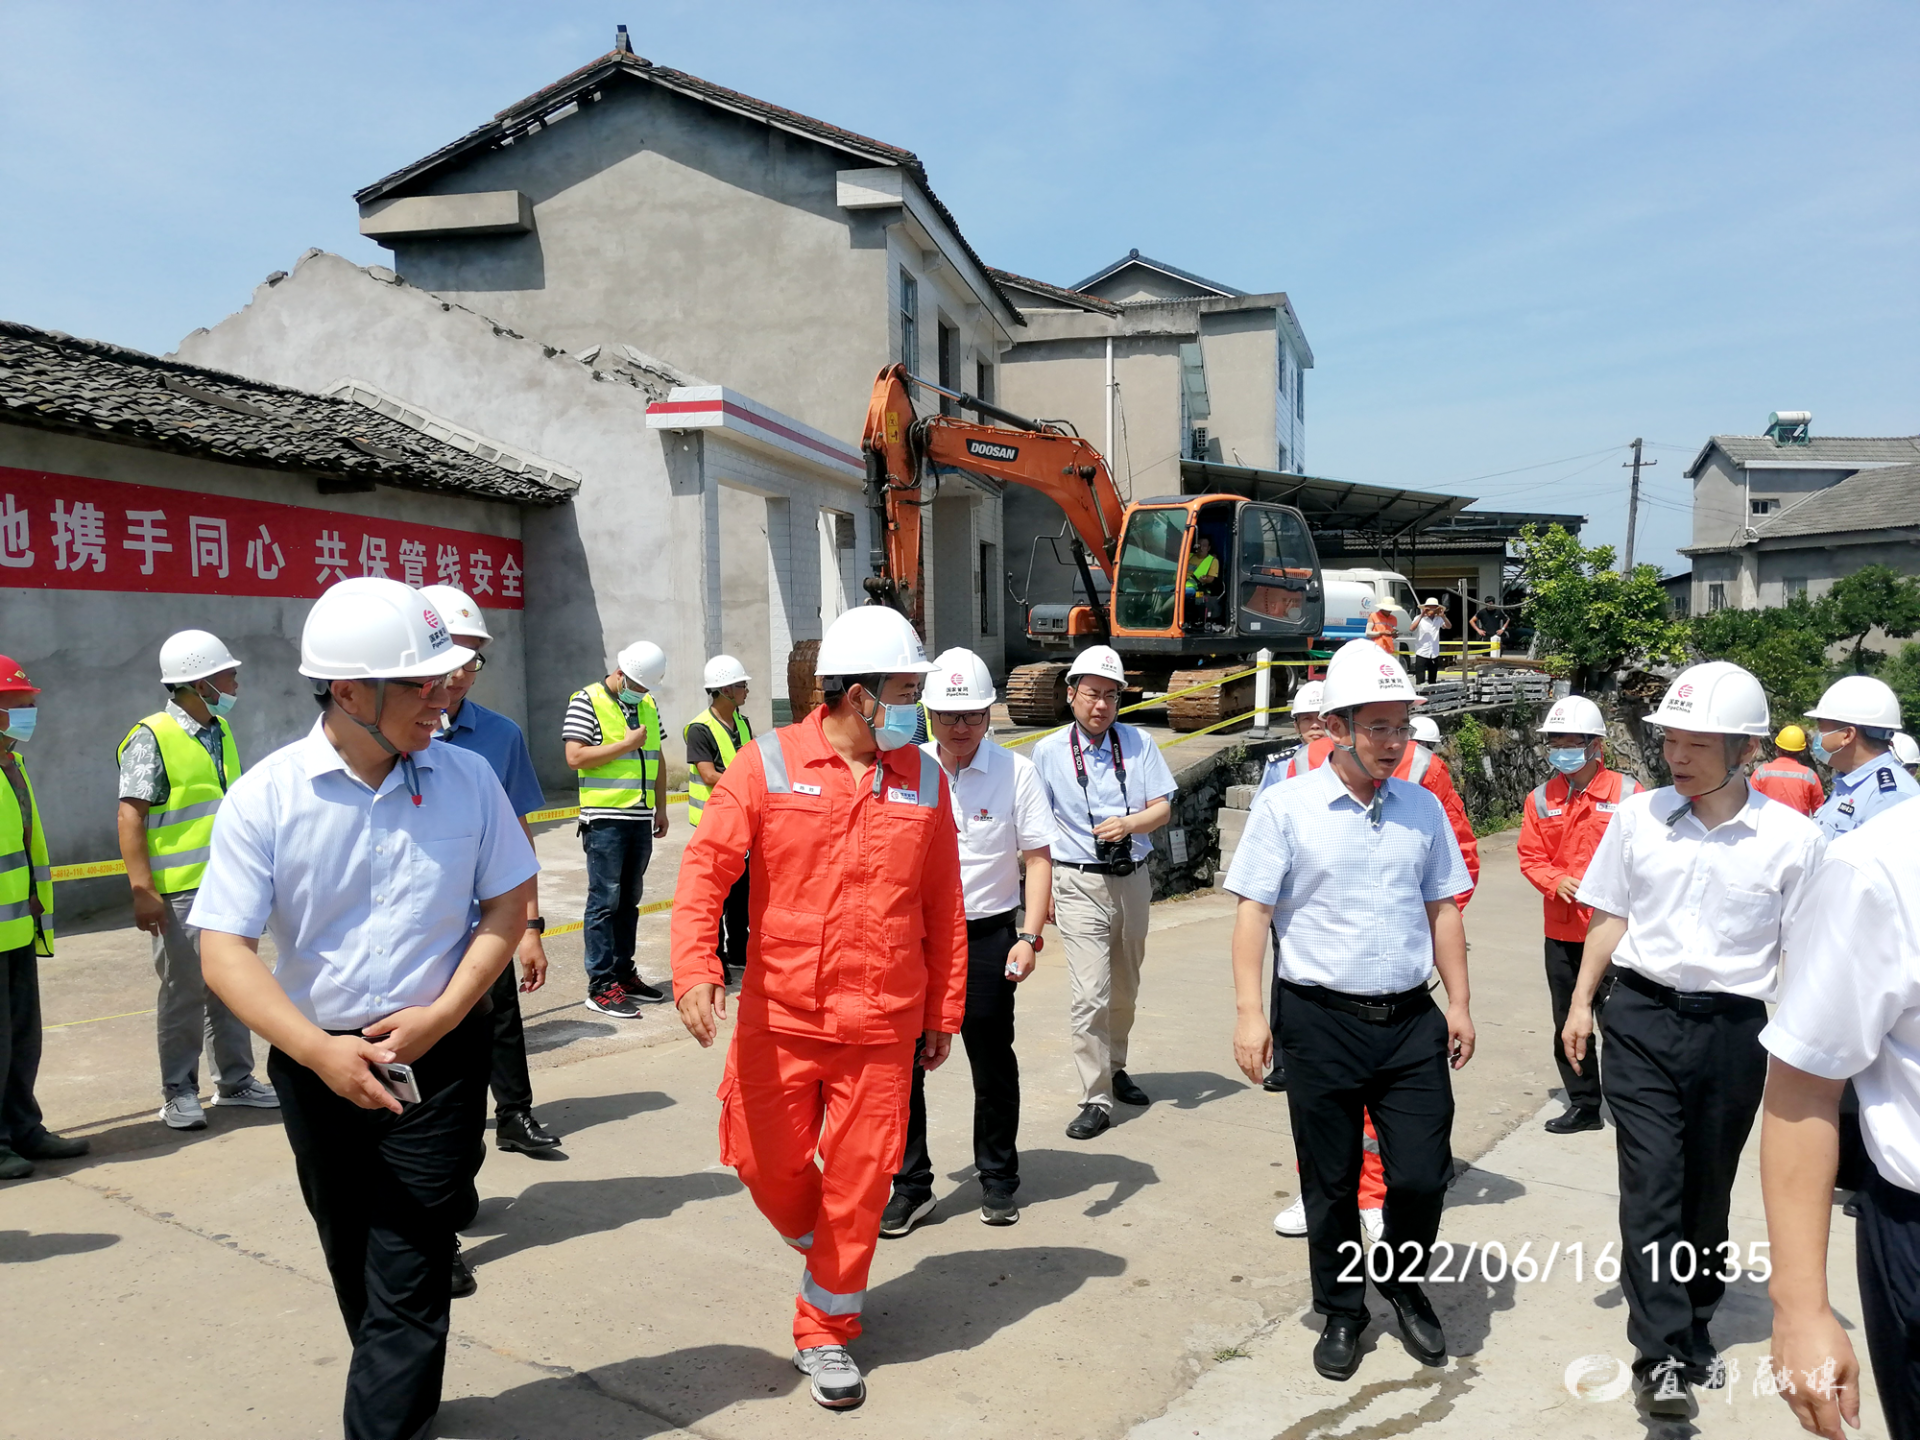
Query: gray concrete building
x=1789, y=512
x=140, y=496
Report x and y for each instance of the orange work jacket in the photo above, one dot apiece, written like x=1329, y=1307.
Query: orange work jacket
x=858, y=931
x=1423, y=767
x=1791, y=782
x=1384, y=630
x=1558, y=835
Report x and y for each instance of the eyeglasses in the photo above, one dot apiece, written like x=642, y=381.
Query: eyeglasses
x=473, y=666
x=958, y=717
x=1097, y=697
x=425, y=687
x=1385, y=734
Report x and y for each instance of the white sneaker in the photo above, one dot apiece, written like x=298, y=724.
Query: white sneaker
x=255, y=1094
x=836, y=1379
x=183, y=1112
x=1374, y=1223
x=1292, y=1221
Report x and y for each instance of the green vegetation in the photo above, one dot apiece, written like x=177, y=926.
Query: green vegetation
x=1494, y=824
x=1470, y=740
x=1902, y=672
x=1585, y=610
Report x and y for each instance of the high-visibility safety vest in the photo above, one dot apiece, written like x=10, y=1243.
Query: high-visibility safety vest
x=731, y=742
x=25, y=874
x=180, y=837
x=1204, y=568
x=1541, y=810
x=626, y=781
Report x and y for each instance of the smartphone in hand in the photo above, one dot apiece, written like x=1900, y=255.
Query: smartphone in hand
x=399, y=1081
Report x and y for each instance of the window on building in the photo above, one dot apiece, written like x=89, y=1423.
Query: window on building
x=947, y=341
x=1299, y=394
x=909, y=321
x=1716, y=596
x=1197, y=439
x=1763, y=507
x=983, y=381
x=1682, y=604
x=1794, y=585
x=989, y=586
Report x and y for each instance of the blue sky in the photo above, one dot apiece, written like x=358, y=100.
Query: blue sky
x=1517, y=235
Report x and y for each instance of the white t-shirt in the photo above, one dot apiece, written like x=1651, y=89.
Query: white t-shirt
x=1000, y=808
x=1426, y=635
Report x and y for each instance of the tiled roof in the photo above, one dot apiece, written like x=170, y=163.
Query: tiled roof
x=1822, y=451
x=1077, y=299
x=524, y=118
x=1882, y=499
x=1134, y=257
x=86, y=387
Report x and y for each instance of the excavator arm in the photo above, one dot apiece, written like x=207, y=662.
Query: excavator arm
x=899, y=447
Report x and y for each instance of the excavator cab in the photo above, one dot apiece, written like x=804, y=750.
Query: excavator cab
x=1254, y=585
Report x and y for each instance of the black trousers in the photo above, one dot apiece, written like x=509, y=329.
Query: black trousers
x=1275, y=994
x=987, y=1032
x=387, y=1192
x=20, y=1035
x=1338, y=1065
x=511, y=1084
x=1426, y=669
x=1887, y=1261
x=1683, y=1090
x=733, y=930
x=1563, y=969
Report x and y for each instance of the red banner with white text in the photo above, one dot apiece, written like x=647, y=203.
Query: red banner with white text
x=67, y=532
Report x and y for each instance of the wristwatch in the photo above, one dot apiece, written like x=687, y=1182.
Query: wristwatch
x=538, y=922
x=1034, y=940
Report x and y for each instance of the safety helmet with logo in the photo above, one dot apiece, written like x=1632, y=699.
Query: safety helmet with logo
x=13, y=678
x=1102, y=661
x=643, y=661
x=1860, y=700
x=1716, y=698
x=1426, y=730
x=960, y=681
x=458, y=609
x=1905, y=749
x=1307, y=699
x=722, y=671
x=190, y=655
x=1573, y=715
x=1791, y=739
x=871, y=640
x=371, y=628
x=1361, y=673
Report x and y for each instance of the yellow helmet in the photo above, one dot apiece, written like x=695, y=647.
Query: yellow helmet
x=1791, y=737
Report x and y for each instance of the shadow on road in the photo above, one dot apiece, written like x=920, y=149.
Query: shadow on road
x=954, y=1302
x=1474, y=1186
x=146, y=1133
x=551, y=1211
x=1183, y=1089
x=567, y=1118
x=1047, y=1175
x=20, y=1247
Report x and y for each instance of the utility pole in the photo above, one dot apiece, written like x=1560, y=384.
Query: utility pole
x=1633, y=501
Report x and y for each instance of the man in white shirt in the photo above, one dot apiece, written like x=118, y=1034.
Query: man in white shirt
x=1109, y=787
x=1849, y=1010
x=395, y=876
x=1000, y=809
x=1689, y=889
x=1356, y=873
x=1428, y=626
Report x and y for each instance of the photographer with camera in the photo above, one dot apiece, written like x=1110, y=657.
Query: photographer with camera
x=1109, y=786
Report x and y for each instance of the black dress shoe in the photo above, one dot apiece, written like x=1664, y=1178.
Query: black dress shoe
x=1665, y=1392
x=1126, y=1092
x=1276, y=1080
x=1419, y=1326
x=518, y=1130
x=49, y=1146
x=1577, y=1118
x=463, y=1282
x=1336, y=1354
x=1088, y=1123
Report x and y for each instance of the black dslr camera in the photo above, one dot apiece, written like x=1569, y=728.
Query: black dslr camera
x=1116, y=855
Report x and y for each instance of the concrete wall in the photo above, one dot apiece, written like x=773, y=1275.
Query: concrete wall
x=1242, y=353
x=1760, y=576
x=95, y=653
x=1722, y=490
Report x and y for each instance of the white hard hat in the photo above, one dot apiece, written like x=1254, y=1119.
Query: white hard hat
x=1426, y=730
x=1574, y=715
x=371, y=628
x=872, y=640
x=193, y=655
x=1361, y=673
x=960, y=681
x=1307, y=699
x=1717, y=698
x=643, y=661
x=457, y=608
x=1905, y=749
x=722, y=671
x=1859, y=700
x=1101, y=660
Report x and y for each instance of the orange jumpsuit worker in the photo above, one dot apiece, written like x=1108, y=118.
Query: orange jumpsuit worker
x=858, y=951
x=1788, y=778
x=1383, y=626
x=1560, y=828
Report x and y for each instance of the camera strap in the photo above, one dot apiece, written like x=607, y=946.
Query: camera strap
x=1080, y=770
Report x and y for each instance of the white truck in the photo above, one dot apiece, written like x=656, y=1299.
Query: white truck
x=1346, y=602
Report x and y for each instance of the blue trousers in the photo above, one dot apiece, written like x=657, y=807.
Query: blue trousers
x=617, y=856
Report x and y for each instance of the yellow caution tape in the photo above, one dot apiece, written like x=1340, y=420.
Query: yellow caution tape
x=90, y=870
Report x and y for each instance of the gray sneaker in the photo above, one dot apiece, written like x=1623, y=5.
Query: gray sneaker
x=836, y=1379
x=183, y=1112
x=255, y=1094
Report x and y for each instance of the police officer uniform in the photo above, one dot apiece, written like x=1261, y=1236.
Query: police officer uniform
x=1864, y=792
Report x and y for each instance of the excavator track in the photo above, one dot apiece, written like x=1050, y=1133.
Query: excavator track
x=1037, y=694
x=1204, y=708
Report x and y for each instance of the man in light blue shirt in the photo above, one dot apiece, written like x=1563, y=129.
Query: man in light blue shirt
x=1853, y=730
x=395, y=879
x=1110, y=788
x=1355, y=872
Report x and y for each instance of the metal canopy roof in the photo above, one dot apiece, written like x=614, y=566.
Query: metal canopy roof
x=1327, y=504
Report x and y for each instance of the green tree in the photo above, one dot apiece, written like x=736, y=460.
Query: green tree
x=1902, y=672
x=1784, y=646
x=1873, y=597
x=1581, y=607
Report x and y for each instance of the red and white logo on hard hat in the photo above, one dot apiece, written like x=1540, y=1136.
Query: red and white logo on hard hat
x=1683, y=692
x=1386, y=669
x=957, y=679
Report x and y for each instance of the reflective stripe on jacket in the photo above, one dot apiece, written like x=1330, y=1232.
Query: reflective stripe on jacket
x=729, y=741
x=626, y=781
x=1791, y=782
x=1559, y=831
x=180, y=837
x=25, y=874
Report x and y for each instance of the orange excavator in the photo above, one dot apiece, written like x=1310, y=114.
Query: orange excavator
x=1177, y=621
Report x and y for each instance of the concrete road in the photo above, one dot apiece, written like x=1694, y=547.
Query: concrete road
x=171, y=1285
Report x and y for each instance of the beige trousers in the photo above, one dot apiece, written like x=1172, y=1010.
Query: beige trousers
x=1102, y=920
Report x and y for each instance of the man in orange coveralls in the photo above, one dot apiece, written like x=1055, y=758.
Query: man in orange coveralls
x=1787, y=777
x=858, y=954
x=1560, y=828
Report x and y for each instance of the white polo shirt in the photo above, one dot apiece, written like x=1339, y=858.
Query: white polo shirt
x=1000, y=808
x=371, y=897
x=1704, y=908
x=1850, y=990
x=1426, y=636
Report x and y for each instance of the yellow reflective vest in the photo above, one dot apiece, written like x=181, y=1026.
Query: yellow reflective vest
x=25, y=875
x=729, y=741
x=180, y=837
x=626, y=782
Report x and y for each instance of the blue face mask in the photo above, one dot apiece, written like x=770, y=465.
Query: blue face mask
x=1569, y=761
x=631, y=697
x=222, y=703
x=20, y=723
x=894, y=726
x=1817, y=747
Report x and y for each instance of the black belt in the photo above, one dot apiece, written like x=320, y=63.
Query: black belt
x=1098, y=869
x=1683, y=1002
x=1374, y=1009
x=987, y=925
